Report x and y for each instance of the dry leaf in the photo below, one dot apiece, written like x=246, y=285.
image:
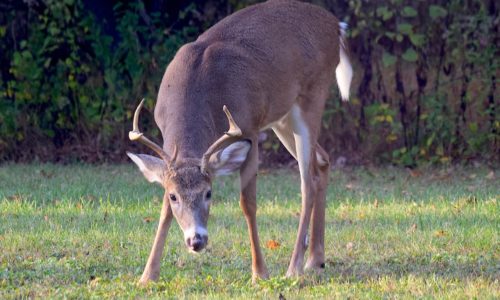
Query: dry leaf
x=440, y=233
x=16, y=198
x=491, y=175
x=79, y=205
x=272, y=244
x=147, y=220
x=414, y=173
x=349, y=246
x=94, y=281
x=375, y=203
x=349, y=186
x=46, y=218
x=412, y=228
x=264, y=171
x=106, y=245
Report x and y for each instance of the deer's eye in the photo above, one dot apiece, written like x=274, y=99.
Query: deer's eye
x=172, y=197
x=209, y=195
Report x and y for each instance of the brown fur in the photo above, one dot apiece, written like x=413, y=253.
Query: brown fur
x=260, y=62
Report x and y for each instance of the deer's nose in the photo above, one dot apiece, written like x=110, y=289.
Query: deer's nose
x=197, y=242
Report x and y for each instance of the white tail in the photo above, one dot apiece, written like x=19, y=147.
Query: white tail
x=344, y=69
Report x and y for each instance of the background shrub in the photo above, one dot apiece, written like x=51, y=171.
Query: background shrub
x=424, y=88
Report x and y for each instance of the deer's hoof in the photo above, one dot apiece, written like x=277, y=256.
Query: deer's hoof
x=315, y=266
x=256, y=277
x=146, y=280
x=294, y=272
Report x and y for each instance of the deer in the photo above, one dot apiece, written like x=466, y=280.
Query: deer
x=267, y=66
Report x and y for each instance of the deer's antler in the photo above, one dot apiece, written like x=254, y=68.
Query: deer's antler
x=232, y=135
x=137, y=135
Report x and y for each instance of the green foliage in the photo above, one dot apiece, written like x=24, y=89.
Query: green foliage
x=77, y=87
x=68, y=88
x=435, y=65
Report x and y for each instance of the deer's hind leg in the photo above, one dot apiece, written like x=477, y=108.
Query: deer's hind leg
x=299, y=135
x=316, y=260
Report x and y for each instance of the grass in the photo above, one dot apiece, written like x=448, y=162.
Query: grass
x=83, y=231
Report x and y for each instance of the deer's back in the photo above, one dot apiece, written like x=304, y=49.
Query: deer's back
x=269, y=52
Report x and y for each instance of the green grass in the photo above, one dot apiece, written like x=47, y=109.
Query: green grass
x=86, y=231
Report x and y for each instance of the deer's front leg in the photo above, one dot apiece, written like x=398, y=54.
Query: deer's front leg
x=152, y=269
x=248, y=203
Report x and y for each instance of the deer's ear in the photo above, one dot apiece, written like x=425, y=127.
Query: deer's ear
x=151, y=167
x=229, y=159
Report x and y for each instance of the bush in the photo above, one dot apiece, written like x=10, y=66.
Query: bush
x=425, y=85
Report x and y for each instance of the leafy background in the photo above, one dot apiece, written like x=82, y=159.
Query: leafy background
x=424, y=90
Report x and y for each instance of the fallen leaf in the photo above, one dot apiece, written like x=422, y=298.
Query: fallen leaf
x=264, y=171
x=46, y=218
x=491, y=175
x=414, y=173
x=349, y=246
x=93, y=281
x=349, y=186
x=375, y=203
x=15, y=197
x=440, y=233
x=147, y=220
x=79, y=205
x=106, y=245
x=272, y=244
x=412, y=228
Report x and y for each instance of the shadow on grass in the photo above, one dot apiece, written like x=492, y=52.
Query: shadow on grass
x=425, y=266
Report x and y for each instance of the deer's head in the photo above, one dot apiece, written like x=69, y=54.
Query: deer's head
x=188, y=182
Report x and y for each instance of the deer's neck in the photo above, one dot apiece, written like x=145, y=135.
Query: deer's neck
x=189, y=129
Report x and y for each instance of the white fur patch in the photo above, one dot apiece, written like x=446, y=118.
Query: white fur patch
x=343, y=72
x=151, y=173
x=320, y=159
x=231, y=158
x=302, y=142
x=193, y=230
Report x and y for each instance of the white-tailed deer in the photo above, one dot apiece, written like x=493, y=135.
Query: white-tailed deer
x=269, y=65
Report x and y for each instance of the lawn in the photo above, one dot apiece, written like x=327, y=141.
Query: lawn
x=86, y=231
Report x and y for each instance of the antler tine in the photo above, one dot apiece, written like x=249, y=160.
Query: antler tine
x=233, y=134
x=137, y=135
x=234, y=130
